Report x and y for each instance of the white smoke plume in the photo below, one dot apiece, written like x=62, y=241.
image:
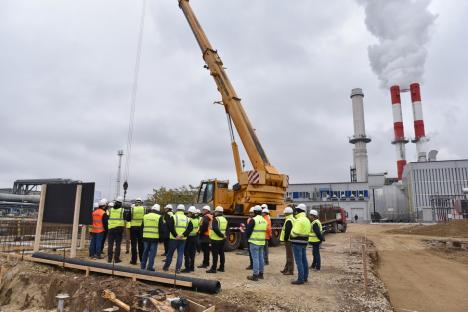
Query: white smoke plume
x=403, y=29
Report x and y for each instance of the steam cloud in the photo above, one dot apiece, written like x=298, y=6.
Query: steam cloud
x=402, y=28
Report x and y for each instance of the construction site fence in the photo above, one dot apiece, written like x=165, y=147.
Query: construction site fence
x=18, y=236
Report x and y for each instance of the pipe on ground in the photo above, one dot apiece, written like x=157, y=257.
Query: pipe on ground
x=198, y=284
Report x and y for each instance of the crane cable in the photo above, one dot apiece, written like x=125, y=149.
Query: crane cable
x=133, y=98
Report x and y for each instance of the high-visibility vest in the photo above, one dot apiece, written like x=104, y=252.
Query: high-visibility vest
x=312, y=237
x=180, y=223
x=259, y=231
x=98, y=225
x=116, y=218
x=210, y=217
x=222, y=223
x=268, y=230
x=301, y=229
x=289, y=218
x=151, y=225
x=196, y=226
x=138, y=212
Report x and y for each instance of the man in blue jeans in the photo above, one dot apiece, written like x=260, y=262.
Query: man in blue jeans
x=256, y=232
x=179, y=228
x=151, y=230
x=97, y=229
x=299, y=238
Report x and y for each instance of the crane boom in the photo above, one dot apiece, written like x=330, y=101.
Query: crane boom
x=231, y=102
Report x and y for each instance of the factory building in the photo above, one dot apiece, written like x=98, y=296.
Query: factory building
x=436, y=189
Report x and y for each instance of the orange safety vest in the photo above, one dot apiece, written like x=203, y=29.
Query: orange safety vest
x=207, y=232
x=268, y=230
x=98, y=226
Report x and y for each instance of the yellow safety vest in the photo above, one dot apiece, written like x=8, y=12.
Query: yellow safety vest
x=196, y=226
x=301, y=229
x=312, y=237
x=259, y=231
x=138, y=212
x=180, y=223
x=288, y=219
x=222, y=222
x=151, y=225
x=116, y=218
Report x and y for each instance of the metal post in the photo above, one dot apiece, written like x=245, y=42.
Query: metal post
x=373, y=200
x=40, y=216
x=76, y=219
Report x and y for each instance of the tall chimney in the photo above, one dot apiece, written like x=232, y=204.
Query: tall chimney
x=399, y=141
x=419, y=132
x=359, y=138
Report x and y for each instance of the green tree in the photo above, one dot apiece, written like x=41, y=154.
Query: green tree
x=179, y=195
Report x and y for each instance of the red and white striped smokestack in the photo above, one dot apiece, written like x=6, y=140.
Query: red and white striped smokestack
x=419, y=132
x=399, y=140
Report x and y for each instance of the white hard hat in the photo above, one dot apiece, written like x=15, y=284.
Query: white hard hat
x=313, y=212
x=206, y=208
x=119, y=199
x=168, y=206
x=156, y=207
x=302, y=207
x=180, y=207
x=264, y=206
x=257, y=208
x=95, y=205
x=288, y=210
x=132, y=206
x=138, y=199
x=102, y=202
x=251, y=209
x=265, y=210
x=219, y=209
x=192, y=209
x=111, y=204
x=198, y=210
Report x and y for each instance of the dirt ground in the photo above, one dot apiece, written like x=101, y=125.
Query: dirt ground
x=419, y=277
x=338, y=287
x=455, y=229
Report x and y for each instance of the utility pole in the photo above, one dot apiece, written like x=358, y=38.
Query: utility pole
x=120, y=153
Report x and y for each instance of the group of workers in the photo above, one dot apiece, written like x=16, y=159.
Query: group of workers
x=193, y=230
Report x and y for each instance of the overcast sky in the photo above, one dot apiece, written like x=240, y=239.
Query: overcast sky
x=66, y=72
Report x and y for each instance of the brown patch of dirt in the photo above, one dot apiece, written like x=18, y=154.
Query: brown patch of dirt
x=455, y=228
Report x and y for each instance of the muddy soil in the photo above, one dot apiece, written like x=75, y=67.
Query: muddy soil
x=456, y=228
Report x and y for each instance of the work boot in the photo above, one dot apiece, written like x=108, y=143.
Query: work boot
x=212, y=270
x=267, y=262
x=203, y=266
x=221, y=269
x=165, y=269
x=177, y=271
x=260, y=275
x=117, y=261
x=253, y=278
x=288, y=273
x=249, y=267
x=297, y=282
x=284, y=271
x=186, y=270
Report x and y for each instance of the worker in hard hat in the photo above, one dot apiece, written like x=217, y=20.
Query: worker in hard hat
x=249, y=219
x=135, y=217
x=151, y=228
x=99, y=218
x=256, y=232
x=116, y=228
x=106, y=225
x=179, y=229
x=168, y=213
x=198, y=216
x=315, y=239
x=266, y=216
x=299, y=238
x=218, y=229
x=204, y=236
x=284, y=237
x=191, y=244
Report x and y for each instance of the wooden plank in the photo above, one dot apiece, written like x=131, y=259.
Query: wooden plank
x=109, y=272
x=76, y=220
x=40, y=217
x=84, y=228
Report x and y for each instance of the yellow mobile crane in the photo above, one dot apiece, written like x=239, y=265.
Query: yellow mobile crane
x=264, y=183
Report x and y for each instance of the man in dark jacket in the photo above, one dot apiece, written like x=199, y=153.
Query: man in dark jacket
x=315, y=239
x=285, y=234
x=204, y=236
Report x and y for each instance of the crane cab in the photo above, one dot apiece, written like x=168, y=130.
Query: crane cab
x=215, y=193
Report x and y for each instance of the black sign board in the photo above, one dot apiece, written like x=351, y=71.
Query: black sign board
x=60, y=203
